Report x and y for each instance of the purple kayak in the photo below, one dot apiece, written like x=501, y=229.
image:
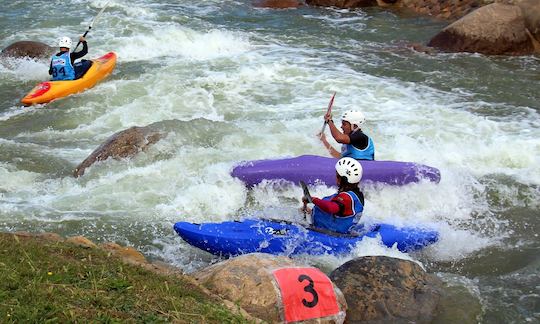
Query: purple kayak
x=314, y=169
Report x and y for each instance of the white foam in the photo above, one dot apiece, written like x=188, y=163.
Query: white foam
x=171, y=40
x=23, y=69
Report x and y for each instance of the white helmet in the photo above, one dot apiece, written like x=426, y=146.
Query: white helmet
x=354, y=117
x=64, y=42
x=349, y=168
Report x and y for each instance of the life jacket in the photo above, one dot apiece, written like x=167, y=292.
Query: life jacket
x=349, y=150
x=62, y=69
x=340, y=224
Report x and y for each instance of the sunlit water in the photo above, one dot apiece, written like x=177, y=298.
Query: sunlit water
x=229, y=82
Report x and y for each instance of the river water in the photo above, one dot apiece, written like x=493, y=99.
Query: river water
x=230, y=82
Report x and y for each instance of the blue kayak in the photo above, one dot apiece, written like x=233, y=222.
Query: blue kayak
x=280, y=237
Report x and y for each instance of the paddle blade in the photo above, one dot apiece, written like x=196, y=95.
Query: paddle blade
x=307, y=195
x=328, y=111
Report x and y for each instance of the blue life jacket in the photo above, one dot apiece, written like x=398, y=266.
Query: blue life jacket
x=349, y=150
x=324, y=220
x=62, y=69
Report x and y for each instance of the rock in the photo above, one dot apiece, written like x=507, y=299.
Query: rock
x=496, y=29
x=458, y=305
x=128, y=254
x=342, y=3
x=121, y=145
x=531, y=15
x=277, y=4
x=28, y=49
x=249, y=281
x=53, y=237
x=81, y=241
x=387, y=290
x=442, y=9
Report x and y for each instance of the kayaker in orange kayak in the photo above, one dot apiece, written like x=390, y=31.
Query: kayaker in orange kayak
x=63, y=66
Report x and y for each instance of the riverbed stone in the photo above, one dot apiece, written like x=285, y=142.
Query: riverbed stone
x=120, y=145
x=381, y=289
x=496, y=29
x=31, y=49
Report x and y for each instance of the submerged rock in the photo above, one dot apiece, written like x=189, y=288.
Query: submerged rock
x=387, y=290
x=123, y=144
x=28, y=49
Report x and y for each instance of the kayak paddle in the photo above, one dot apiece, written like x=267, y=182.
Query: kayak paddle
x=92, y=24
x=307, y=195
x=329, y=110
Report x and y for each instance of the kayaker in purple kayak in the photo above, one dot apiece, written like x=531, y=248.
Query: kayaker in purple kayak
x=355, y=143
x=342, y=210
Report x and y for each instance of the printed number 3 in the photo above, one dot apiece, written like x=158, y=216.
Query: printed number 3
x=309, y=289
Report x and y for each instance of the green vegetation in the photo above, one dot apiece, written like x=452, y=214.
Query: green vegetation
x=55, y=282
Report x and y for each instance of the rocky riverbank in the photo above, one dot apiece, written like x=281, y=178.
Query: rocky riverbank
x=76, y=278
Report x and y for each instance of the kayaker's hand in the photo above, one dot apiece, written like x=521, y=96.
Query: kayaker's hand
x=305, y=210
x=82, y=39
x=322, y=137
x=327, y=117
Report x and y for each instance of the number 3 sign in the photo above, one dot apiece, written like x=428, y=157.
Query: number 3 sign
x=306, y=293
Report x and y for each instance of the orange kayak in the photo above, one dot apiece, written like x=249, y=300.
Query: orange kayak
x=50, y=90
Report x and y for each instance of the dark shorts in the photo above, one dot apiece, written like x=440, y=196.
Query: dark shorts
x=81, y=68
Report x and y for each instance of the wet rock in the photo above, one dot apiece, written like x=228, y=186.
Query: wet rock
x=458, y=305
x=386, y=290
x=248, y=281
x=28, y=49
x=342, y=3
x=277, y=4
x=121, y=145
x=496, y=29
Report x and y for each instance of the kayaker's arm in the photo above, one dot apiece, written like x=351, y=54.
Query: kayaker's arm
x=327, y=205
x=337, y=135
x=333, y=152
x=81, y=53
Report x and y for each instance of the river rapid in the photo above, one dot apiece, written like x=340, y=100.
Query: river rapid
x=230, y=82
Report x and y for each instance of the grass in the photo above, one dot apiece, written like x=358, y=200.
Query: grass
x=56, y=282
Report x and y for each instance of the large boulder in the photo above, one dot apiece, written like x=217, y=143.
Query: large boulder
x=277, y=4
x=250, y=281
x=495, y=29
x=380, y=289
x=120, y=145
x=30, y=49
x=531, y=15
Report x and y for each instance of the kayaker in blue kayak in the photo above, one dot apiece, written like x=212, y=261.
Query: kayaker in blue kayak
x=63, y=66
x=355, y=143
x=340, y=211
